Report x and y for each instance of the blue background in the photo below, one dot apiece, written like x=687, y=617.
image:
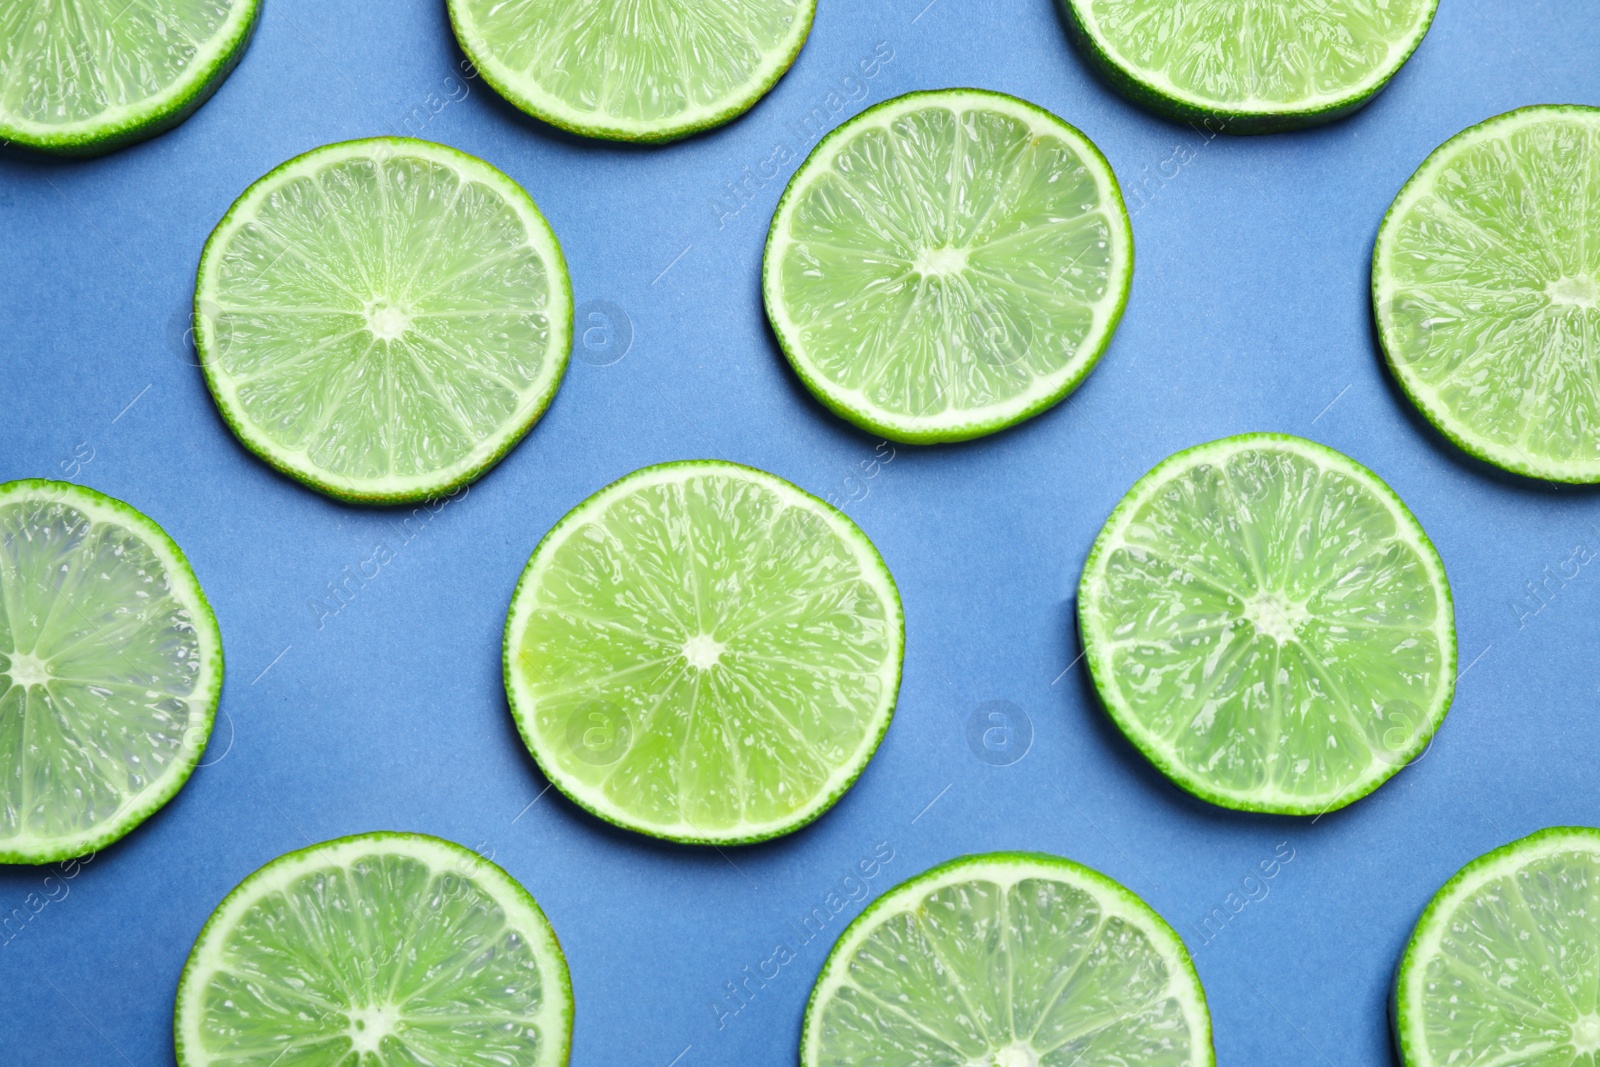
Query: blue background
x=1249, y=312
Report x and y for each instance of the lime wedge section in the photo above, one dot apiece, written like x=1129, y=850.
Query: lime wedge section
x=379, y=950
x=948, y=264
x=80, y=77
x=1008, y=960
x=1249, y=66
x=383, y=319
x=1265, y=621
x=1486, y=290
x=110, y=670
x=650, y=70
x=1504, y=965
x=703, y=652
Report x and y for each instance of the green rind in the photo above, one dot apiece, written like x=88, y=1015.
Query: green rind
x=549, y=109
x=159, y=115
x=511, y=434
x=1440, y=419
x=1040, y=861
x=896, y=431
x=561, y=981
x=1403, y=1007
x=207, y=633
x=823, y=804
x=1217, y=118
x=1128, y=724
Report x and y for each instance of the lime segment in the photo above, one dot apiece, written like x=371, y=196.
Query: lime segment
x=703, y=652
x=1268, y=623
x=110, y=670
x=1008, y=960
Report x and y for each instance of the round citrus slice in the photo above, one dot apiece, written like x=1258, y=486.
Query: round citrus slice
x=1265, y=621
x=375, y=950
x=1008, y=960
x=110, y=670
x=703, y=652
x=1249, y=66
x=80, y=77
x=383, y=319
x=1504, y=965
x=947, y=264
x=1486, y=290
x=652, y=70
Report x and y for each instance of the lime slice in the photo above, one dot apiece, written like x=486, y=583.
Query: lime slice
x=1249, y=66
x=650, y=70
x=375, y=950
x=1486, y=288
x=81, y=77
x=1008, y=960
x=383, y=319
x=947, y=264
x=1268, y=624
x=703, y=652
x=110, y=670
x=1504, y=965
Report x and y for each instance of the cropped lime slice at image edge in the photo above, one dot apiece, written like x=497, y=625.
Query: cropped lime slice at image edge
x=947, y=264
x=383, y=319
x=89, y=76
x=1269, y=625
x=705, y=653
x=1249, y=67
x=379, y=948
x=651, y=71
x=1008, y=960
x=1504, y=964
x=110, y=670
x=1486, y=291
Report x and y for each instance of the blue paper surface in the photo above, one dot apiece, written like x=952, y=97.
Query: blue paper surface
x=1249, y=312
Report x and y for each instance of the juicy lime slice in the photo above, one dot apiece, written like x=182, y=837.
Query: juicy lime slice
x=1008, y=960
x=110, y=670
x=1250, y=66
x=1268, y=624
x=383, y=319
x=1504, y=965
x=1486, y=288
x=85, y=76
x=651, y=70
x=947, y=264
x=703, y=652
x=375, y=950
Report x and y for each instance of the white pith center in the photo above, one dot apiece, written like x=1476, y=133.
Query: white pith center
x=1274, y=616
x=369, y=1026
x=387, y=321
x=1017, y=1054
x=1579, y=291
x=703, y=651
x=1586, y=1034
x=938, y=262
x=27, y=669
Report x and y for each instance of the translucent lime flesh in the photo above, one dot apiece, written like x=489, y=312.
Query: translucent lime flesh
x=1486, y=283
x=1267, y=622
x=647, y=70
x=109, y=670
x=703, y=652
x=1008, y=961
x=387, y=949
x=948, y=263
x=1505, y=965
x=383, y=318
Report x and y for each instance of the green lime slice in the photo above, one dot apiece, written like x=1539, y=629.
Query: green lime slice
x=1486, y=290
x=110, y=670
x=375, y=950
x=947, y=264
x=1008, y=960
x=1265, y=621
x=705, y=653
x=1249, y=66
x=651, y=70
x=80, y=77
x=1504, y=965
x=383, y=319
